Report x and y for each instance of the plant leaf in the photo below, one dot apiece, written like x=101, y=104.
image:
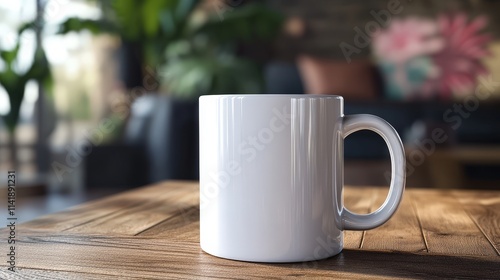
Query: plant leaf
x=94, y=26
x=151, y=13
x=129, y=18
x=251, y=22
x=10, y=56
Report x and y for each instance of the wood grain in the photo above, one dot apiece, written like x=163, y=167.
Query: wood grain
x=357, y=200
x=99, y=210
x=184, y=226
x=156, y=258
x=401, y=233
x=135, y=219
x=153, y=233
x=44, y=274
x=446, y=226
x=484, y=209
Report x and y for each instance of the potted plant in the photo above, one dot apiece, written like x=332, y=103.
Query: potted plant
x=197, y=52
x=206, y=59
x=145, y=28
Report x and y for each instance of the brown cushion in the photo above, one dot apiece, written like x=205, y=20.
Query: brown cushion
x=355, y=80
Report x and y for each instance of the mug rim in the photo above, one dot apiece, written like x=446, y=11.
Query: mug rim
x=298, y=95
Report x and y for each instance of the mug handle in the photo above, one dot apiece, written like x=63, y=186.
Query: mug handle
x=354, y=123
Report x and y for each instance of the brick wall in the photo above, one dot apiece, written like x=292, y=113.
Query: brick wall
x=330, y=22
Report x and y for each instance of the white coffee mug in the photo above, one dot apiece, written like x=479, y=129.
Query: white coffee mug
x=271, y=176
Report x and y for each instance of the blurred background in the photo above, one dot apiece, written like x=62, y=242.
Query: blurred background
x=97, y=97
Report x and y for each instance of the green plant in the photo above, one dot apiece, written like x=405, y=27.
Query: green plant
x=195, y=57
x=205, y=60
x=150, y=23
x=14, y=82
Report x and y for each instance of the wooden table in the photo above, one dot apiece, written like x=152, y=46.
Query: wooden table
x=153, y=232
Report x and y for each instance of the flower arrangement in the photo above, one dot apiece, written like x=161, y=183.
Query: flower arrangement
x=425, y=58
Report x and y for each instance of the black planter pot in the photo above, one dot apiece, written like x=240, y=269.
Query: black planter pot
x=130, y=61
x=167, y=129
x=173, y=144
x=160, y=143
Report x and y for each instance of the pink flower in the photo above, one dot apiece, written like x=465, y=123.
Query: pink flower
x=459, y=62
x=406, y=39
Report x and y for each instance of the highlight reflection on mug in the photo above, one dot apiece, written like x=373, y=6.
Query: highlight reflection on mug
x=248, y=150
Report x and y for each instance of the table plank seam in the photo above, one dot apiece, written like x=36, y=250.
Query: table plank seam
x=154, y=275
x=414, y=206
x=177, y=213
x=103, y=216
x=482, y=231
x=373, y=197
x=70, y=271
x=128, y=242
x=362, y=240
x=477, y=224
x=447, y=226
x=158, y=201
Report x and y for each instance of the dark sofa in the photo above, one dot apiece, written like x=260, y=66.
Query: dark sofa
x=161, y=137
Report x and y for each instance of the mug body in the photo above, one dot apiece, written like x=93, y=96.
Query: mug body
x=271, y=176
